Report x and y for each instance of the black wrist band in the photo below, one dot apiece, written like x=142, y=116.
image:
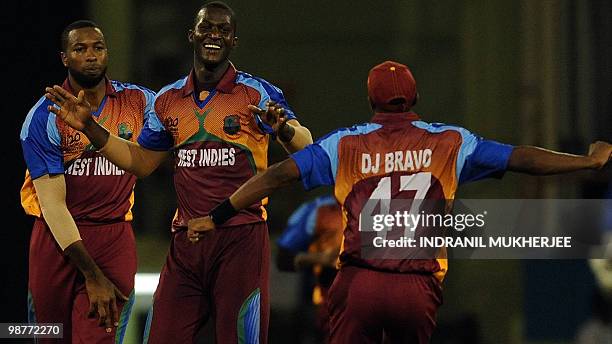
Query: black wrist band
x=223, y=212
x=286, y=133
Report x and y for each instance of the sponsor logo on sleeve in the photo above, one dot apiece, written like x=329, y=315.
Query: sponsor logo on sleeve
x=171, y=125
x=71, y=143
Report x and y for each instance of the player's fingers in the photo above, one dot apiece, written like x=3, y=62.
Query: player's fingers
x=54, y=110
x=272, y=114
x=49, y=90
x=120, y=295
x=63, y=93
x=102, y=313
x=54, y=96
x=114, y=313
x=279, y=109
x=81, y=96
x=201, y=224
x=193, y=236
x=93, y=309
x=107, y=319
x=270, y=103
x=199, y=228
x=255, y=109
x=50, y=97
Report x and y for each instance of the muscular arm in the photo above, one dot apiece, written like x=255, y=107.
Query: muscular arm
x=306, y=260
x=289, y=261
x=256, y=188
x=51, y=192
x=263, y=184
x=128, y=155
x=293, y=136
x=125, y=154
x=539, y=161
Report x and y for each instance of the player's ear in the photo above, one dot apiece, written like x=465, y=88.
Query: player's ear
x=416, y=99
x=371, y=103
x=64, y=59
x=235, y=41
x=190, y=35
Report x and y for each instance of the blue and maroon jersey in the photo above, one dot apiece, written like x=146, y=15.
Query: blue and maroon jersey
x=315, y=227
x=218, y=143
x=397, y=156
x=97, y=191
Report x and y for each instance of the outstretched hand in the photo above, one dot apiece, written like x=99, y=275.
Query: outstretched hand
x=601, y=152
x=75, y=111
x=198, y=226
x=273, y=115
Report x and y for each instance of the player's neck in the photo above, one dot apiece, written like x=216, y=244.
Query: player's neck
x=94, y=95
x=207, y=77
x=400, y=108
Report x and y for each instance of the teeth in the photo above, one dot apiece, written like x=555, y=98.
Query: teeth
x=212, y=46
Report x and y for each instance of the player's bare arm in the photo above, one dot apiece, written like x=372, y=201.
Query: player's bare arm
x=102, y=293
x=293, y=136
x=539, y=161
x=287, y=260
x=76, y=112
x=260, y=186
x=306, y=260
x=290, y=133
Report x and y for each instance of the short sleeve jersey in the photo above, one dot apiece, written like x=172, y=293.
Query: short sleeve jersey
x=97, y=191
x=315, y=227
x=400, y=156
x=217, y=143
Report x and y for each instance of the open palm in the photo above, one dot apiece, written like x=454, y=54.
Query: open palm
x=75, y=111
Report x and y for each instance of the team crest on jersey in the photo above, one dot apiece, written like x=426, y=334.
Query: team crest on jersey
x=231, y=124
x=125, y=131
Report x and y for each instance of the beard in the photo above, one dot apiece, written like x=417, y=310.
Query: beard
x=87, y=80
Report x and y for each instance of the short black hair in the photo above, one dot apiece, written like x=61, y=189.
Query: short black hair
x=217, y=4
x=79, y=24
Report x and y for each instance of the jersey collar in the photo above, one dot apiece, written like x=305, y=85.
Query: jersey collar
x=386, y=118
x=109, y=91
x=225, y=85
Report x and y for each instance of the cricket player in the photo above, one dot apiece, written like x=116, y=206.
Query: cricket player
x=216, y=122
x=311, y=242
x=394, y=156
x=82, y=257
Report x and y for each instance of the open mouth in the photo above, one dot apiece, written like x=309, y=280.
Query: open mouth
x=212, y=46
